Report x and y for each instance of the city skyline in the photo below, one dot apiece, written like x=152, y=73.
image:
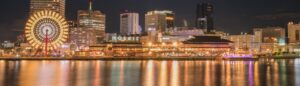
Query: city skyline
x=227, y=17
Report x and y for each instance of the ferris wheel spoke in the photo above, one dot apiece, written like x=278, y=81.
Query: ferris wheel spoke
x=46, y=29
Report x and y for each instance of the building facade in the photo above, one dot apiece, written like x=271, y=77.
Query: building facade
x=204, y=18
x=293, y=32
x=198, y=46
x=244, y=42
x=270, y=34
x=82, y=37
x=258, y=35
x=129, y=24
x=270, y=39
x=53, y=5
x=185, y=31
x=93, y=20
x=160, y=21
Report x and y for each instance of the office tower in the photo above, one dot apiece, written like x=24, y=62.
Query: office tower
x=93, y=20
x=160, y=21
x=129, y=23
x=204, y=18
x=53, y=5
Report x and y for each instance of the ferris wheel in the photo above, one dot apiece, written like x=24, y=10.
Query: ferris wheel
x=46, y=30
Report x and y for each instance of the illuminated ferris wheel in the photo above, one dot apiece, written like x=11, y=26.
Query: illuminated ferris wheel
x=46, y=30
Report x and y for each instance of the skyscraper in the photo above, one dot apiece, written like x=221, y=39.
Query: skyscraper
x=94, y=20
x=129, y=23
x=53, y=5
x=204, y=18
x=160, y=21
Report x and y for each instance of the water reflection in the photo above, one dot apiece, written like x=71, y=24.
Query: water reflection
x=150, y=73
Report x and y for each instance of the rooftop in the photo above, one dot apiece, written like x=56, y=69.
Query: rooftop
x=207, y=40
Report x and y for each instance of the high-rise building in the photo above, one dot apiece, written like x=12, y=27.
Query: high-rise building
x=94, y=20
x=204, y=18
x=129, y=24
x=53, y=5
x=82, y=37
x=160, y=21
x=293, y=32
x=270, y=34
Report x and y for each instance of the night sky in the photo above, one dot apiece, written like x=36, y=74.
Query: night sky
x=233, y=16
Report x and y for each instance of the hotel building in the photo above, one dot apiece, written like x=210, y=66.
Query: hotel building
x=129, y=24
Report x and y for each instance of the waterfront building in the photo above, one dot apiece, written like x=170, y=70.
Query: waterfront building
x=204, y=18
x=222, y=34
x=186, y=31
x=208, y=45
x=270, y=39
x=129, y=24
x=82, y=37
x=175, y=38
x=7, y=45
x=258, y=35
x=53, y=5
x=115, y=38
x=244, y=42
x=196, y=46
x=270, y=34
x=293, y=33
x=160, y=21
x=152, y=35
x=179, y=34
x=109, y=36
x=93, y=20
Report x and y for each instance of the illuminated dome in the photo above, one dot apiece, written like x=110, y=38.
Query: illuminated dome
x=46, y=25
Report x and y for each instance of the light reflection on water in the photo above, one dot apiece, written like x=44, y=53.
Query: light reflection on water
x=150, y=73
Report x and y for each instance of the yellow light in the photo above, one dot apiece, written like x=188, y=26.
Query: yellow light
x=46, y=14
x=150, y=44
x=163, y=44
x=169, y=18
x=175, y=44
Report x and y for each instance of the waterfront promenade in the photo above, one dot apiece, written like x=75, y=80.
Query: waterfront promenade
x=137, y=58
x=108, y=58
